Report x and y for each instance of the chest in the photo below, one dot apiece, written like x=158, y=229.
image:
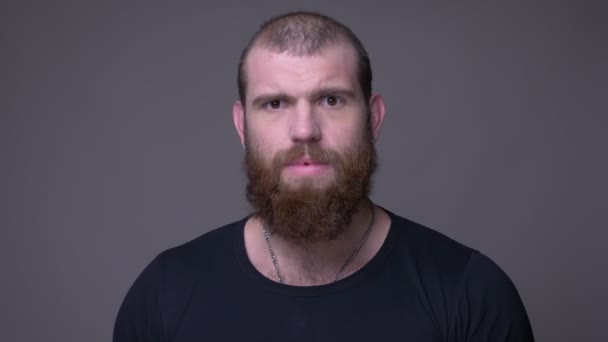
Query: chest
x=355, y=315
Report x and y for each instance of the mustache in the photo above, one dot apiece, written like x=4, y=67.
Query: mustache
x=299, y=150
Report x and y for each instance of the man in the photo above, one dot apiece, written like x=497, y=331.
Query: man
x=317, y=260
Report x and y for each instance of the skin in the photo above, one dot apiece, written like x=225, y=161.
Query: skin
x=308, y=99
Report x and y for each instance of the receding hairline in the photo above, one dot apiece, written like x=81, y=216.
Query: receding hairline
x=305, y=34
x=300, y=33
x=339, y=43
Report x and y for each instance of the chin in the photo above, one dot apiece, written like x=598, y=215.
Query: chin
x=311, y=183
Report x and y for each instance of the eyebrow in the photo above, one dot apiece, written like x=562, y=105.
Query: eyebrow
x=344, y=92
x=339, y=91
x=264, y=98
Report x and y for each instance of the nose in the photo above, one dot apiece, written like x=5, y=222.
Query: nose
x=304, y=124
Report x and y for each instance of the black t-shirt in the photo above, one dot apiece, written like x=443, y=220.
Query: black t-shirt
x=420, y=286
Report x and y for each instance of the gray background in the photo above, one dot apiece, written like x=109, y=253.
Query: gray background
x=117, y=143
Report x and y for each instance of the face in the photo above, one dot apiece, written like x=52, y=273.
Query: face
x=307, y=131
x=308, y=100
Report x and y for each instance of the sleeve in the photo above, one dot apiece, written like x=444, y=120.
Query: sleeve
x=139, y=317
x=489, y=308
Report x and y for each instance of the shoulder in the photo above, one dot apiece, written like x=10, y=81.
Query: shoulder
x=161, y=293
x=488, y=305
x=205, y=248
x=464, y=287
x=438, y=256
x=195, y=255
x=431, y=250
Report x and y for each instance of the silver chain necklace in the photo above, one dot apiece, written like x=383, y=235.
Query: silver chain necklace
x=348, y=261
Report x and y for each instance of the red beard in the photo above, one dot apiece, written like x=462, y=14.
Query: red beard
x=306, y=213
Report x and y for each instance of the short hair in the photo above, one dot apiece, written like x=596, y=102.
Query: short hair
x=305, y=34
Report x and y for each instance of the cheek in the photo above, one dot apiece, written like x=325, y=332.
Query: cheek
x=267, y=136
x=262, y=145
x=345, y=137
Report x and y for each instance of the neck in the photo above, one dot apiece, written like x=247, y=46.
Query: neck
x=314, y=263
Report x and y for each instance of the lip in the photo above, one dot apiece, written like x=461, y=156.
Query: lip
x=306, y=166
x=306, y=161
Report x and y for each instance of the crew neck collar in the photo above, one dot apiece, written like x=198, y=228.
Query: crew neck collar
x=315, y=290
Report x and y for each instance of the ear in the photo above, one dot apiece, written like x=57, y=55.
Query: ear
x=238, y=116
x=376, y=116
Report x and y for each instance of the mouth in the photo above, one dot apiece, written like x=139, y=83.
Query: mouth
x=306, y=161
x=305, y=166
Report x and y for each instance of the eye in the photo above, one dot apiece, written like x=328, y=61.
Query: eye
x=331, y=101
x=274, y=104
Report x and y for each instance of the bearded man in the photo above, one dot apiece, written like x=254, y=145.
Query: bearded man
x=317, y=260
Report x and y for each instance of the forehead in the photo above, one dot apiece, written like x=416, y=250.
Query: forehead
x=272, y=71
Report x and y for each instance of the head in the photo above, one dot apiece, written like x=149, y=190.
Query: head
x=307, y=119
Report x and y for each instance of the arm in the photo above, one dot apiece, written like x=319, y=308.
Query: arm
x=489, y=308
x=139, y=317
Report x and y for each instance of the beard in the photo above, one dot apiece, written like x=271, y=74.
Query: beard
x=306, y=212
